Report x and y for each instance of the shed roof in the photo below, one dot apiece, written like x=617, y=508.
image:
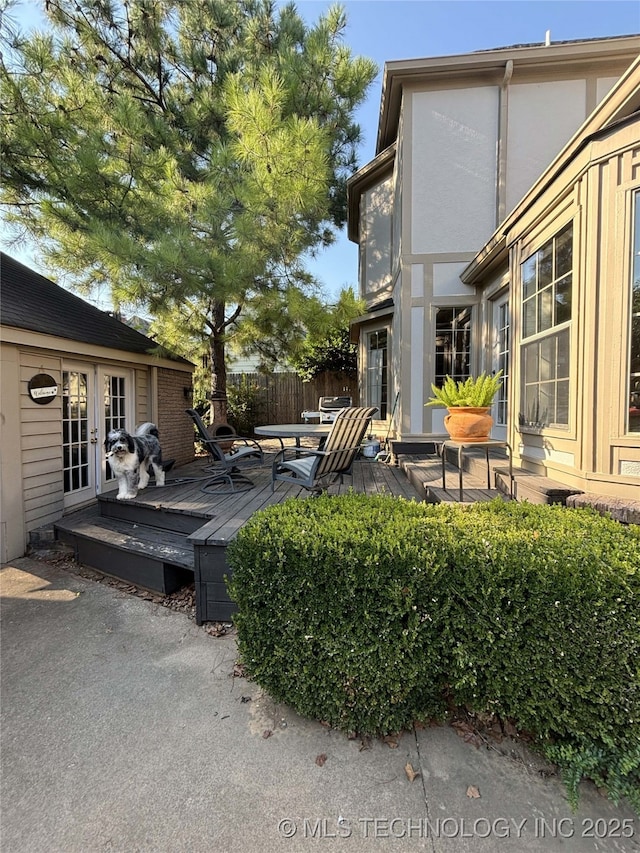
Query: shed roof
x=30, y=301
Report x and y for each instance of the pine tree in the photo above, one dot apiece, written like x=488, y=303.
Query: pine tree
x=188, y=154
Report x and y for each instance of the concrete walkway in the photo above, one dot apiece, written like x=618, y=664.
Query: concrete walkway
x=124, y=729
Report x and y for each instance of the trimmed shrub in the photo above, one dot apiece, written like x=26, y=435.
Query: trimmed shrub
x=371, y=613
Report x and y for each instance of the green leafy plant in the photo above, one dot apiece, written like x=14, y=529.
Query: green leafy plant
x=372, y=612
x=476, y=391
x=245, y=405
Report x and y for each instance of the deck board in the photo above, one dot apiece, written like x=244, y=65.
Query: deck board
x=224, y=514
x=170, y=533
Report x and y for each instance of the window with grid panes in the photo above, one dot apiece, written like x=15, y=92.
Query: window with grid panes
x=633, y=424
x=547, y=279
x=452, y=344
x=377, y=371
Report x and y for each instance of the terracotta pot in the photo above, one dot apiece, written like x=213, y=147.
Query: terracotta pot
x=468, y=423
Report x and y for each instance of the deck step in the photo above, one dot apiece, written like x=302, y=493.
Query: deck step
x=159, y=560
x=437, y=495
x=140, y=511
x=410, y=448
x=534, y=488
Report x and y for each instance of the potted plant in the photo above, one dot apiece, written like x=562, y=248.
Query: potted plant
x=468, y=403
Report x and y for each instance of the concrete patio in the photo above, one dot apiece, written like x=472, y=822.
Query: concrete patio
x=124, y=728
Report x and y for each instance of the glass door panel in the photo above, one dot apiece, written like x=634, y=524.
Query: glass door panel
x=115, y=411
x=78, y=435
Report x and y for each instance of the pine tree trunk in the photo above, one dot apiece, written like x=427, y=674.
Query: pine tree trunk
x=218, y=366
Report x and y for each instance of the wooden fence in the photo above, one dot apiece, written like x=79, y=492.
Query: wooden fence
x=280, y=398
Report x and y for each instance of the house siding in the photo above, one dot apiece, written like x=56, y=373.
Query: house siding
x=40, y=444
x=12, y=535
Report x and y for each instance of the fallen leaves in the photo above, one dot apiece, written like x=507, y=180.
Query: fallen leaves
x=365, y=743
x=217, y=629
x=320, y=759
x=410, y=771
x=473, y=793
x=467, y=732
x=480, y=729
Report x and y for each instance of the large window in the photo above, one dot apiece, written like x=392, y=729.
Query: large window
x=377, y=372
x=546, y=319
x=634, y=344
x=453, y=343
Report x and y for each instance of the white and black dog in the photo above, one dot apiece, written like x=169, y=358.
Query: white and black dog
x=130, y=457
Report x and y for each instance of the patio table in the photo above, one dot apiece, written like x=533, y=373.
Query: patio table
x=296, y=431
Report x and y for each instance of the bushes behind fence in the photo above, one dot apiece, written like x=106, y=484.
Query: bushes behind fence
x=371, y=613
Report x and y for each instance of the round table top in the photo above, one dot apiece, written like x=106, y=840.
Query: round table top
x=293, y=430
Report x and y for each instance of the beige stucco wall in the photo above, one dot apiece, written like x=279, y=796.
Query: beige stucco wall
x=542, y=117
x=453, y=163
x=376, y=257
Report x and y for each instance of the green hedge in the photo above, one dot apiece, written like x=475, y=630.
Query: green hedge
x=371, y=613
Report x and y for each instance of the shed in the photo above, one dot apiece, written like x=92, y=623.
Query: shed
x=70, y=373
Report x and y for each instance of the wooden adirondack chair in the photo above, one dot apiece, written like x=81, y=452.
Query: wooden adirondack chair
x=317, y=469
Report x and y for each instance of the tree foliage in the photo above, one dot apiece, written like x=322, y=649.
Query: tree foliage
x=187, y=153
x=330, y=349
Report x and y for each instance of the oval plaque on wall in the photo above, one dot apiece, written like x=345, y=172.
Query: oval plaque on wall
x=42, y=388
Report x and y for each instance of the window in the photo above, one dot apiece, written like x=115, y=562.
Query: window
x=634, y=336
x=502, y=331
x=453, y=343
x=547, y=280
x=377, y=373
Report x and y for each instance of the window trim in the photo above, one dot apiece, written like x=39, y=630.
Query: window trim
x=634, y=268
x=528, y=249
x=471, y=331
x=367, y=333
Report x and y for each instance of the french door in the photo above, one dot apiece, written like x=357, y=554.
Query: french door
x=95, y=399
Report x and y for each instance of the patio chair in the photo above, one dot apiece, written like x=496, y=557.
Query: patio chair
x=317, y=469
x=245, y=451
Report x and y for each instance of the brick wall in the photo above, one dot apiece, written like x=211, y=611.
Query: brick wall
x=176, y=429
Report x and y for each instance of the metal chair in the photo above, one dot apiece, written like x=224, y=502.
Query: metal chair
x=317, y=469
x=245, y=451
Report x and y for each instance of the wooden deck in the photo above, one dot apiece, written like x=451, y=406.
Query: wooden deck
x=170, y=535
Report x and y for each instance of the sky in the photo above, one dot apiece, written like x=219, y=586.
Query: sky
x=387, y=30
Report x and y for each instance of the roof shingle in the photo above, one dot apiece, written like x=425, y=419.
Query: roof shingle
x=30, y=301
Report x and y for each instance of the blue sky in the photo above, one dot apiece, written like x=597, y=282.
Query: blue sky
x=387, y=30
